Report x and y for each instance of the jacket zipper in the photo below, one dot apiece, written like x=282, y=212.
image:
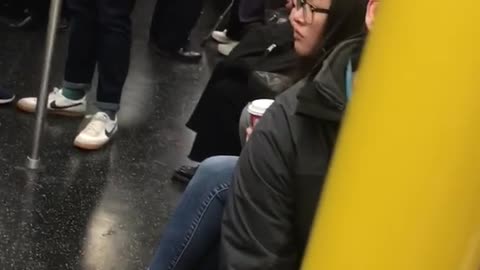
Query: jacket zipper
x=267, y=52
x=270, y=49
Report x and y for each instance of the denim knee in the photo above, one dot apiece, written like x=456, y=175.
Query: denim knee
x=215, y=170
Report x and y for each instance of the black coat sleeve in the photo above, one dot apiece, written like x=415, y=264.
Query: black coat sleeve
x=257, y=231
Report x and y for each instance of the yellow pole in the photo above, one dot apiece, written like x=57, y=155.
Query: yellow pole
x=403, y=191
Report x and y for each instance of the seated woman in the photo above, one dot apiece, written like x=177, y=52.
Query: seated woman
x=233, y=83
x=280, y=174
x=191, y=239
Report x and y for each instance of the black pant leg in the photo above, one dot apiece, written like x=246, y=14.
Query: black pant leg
x=173, y=21
x=114, y=38
x=234, y=26
x=252, y=11
x=81, y=57
x=244, y=12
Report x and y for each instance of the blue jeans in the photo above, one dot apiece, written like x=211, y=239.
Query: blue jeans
x=191, y=238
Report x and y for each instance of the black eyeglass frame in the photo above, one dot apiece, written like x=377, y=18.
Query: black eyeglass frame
x=301, y=4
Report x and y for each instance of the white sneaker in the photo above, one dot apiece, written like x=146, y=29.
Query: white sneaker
x=227, y=48
x=97, y=133
x=221, y=36
x=57, y=104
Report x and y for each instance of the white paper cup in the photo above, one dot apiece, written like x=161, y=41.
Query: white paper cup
x=257, y=108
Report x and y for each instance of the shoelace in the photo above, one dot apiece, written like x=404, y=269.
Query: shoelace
x=55, y=93
x=56, y=90
x=96, y=125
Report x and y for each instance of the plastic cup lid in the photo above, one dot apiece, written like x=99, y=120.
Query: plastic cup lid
x=259, y=106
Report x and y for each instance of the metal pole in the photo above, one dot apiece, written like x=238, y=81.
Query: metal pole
x=217, y=24
x=33, y=160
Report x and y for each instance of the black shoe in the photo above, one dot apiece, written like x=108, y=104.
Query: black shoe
x=12, y=15
x=22, y=23
x=18, y=21
x=184, y=174
x=181, y=54
x=30, y=23
x=6, y=96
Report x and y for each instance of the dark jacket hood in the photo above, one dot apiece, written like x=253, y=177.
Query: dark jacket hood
x=345, y=20
x=323, y=95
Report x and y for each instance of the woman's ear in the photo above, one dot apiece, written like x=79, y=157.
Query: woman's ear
x=371, y=10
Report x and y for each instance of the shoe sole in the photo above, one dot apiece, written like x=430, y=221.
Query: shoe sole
x=92, y=147
x=86, y=146
x=169, y=55
x=220, y=40
x=56, y=112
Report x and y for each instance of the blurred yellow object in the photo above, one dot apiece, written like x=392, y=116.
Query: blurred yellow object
x=403, y=192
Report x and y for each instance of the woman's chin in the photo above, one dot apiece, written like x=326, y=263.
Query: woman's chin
x=302, y=51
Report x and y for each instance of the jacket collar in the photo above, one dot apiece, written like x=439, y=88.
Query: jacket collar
x=324, y=94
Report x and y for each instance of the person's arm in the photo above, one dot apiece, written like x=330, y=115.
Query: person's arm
x=257, y=230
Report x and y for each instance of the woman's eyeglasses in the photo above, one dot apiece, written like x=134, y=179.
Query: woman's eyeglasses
x=309, y=10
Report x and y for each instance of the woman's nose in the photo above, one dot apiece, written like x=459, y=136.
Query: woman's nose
x=296, y=15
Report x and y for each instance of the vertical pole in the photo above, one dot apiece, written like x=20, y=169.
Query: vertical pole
x=33, y=160
x=403, y=191
x=218, y=23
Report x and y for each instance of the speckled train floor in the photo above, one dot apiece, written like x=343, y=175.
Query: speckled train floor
x=102, y=210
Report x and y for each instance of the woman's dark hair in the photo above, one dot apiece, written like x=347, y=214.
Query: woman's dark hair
x=345, y=20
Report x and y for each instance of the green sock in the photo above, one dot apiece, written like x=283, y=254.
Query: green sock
x=73, y=94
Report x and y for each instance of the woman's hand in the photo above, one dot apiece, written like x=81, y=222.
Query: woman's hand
x=249, y=132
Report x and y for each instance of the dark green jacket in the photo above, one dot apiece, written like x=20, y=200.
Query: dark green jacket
x=281, y=171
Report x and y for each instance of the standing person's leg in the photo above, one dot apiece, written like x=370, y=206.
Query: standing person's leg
x=82, y=51
x=113, y=44
x=230, y=37
x=80, y=64
x=234, y=26
x=171, y=25
x=252, y=11
x=226, y=92
x=193, y=232
x=244, y=15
